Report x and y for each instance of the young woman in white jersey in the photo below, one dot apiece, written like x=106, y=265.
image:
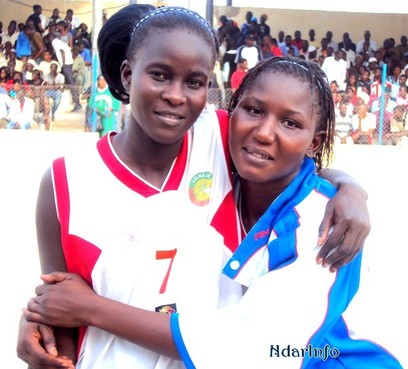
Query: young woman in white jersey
x=166, y=85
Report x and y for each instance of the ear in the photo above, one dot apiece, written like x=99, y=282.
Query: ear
x=316, y=144
x=126, y=75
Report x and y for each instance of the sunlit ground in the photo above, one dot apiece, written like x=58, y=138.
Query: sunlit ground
x=379, y=307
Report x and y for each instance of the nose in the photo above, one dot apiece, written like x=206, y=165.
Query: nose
x=174, y=93
x=265, y=131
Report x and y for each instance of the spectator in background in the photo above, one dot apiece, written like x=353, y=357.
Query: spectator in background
x=250, y=51
x=245, y=29
x=52, y=28
x=71, y=20
x=335, y=68
x=239, y=74
x=312, y=39
x=37, y=46
x=55, y=86
x=63, y=28
x=351, y=44
x=55, y=18
x=78, y=68
x=402, y=48
x=364, y=125
x=263, y=29
x=107, y=107
x=36, y=19
x=402, y=97
x=398, y=126
x=297, y=40
x=21, y=108
x=64, y=57
x=85, y=34
x=270, y=47
x=344, y=125
x=11, y=35
x=78, y=38
x=87, y=56
x=288, y=44
x=45, y=64
x=366, y=44
x=330, y=42
x=23, y=44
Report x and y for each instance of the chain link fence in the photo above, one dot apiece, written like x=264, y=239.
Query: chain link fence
x=45, y=108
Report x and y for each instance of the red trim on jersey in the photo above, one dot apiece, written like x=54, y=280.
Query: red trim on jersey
x=226, y=224
x=130, y=179
x=72, y=245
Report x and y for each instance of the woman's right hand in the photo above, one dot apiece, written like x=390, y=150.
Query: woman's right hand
x=36, y=346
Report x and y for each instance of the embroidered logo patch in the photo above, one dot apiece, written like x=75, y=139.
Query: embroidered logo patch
x=166, y=309
x=200, y=188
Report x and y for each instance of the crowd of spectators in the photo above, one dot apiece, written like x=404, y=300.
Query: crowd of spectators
x=369, y=108
x=44, y=56
x=39, y=59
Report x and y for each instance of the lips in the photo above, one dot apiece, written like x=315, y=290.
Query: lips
x=170, y=115
x=258, y=153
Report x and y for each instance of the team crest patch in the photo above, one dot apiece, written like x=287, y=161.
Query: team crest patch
x=200, y=188
x=166, y=309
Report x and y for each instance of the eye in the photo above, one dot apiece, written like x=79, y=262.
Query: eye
x=254, y=111
x=158, y=76
x=290, y=123
x=195, y=84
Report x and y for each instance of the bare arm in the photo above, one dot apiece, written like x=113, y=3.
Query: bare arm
x=31, y=336
x=71, y=302
x=347, y=213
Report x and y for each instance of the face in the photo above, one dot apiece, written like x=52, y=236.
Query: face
x=271, y=132
x=168, y=83
x=101, y=82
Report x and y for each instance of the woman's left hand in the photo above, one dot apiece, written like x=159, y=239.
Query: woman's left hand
x=347, y=214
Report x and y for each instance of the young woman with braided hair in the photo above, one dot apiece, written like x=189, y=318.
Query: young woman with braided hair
x=173, y=155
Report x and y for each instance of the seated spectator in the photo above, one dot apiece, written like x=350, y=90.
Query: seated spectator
x=28, y=70
x=344, y=126
x=389, y=104
x=239, y=74
x=45, y=64
x=41, y=104
x=270, y=47
x=399, y=126
x=402, y=96
x=364, y=124
x=4, y=76
x=5, y=102
x=54, y=83
x=21, y=108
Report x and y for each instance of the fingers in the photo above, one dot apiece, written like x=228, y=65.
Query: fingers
x=31, y=351
x=48, y=339
x=54, y=277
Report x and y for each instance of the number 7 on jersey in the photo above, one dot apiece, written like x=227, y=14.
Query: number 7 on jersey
x=166, y=254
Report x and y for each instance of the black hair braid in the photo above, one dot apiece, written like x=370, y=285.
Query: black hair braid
x=323, y=104
x=113, y=42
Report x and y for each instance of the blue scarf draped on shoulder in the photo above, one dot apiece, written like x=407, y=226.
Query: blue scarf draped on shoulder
x=282, y=219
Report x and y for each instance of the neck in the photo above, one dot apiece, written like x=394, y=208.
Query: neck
x=150, y=160
x=255, y=200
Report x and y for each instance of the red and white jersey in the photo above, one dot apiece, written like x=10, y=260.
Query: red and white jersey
x=161, y=249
